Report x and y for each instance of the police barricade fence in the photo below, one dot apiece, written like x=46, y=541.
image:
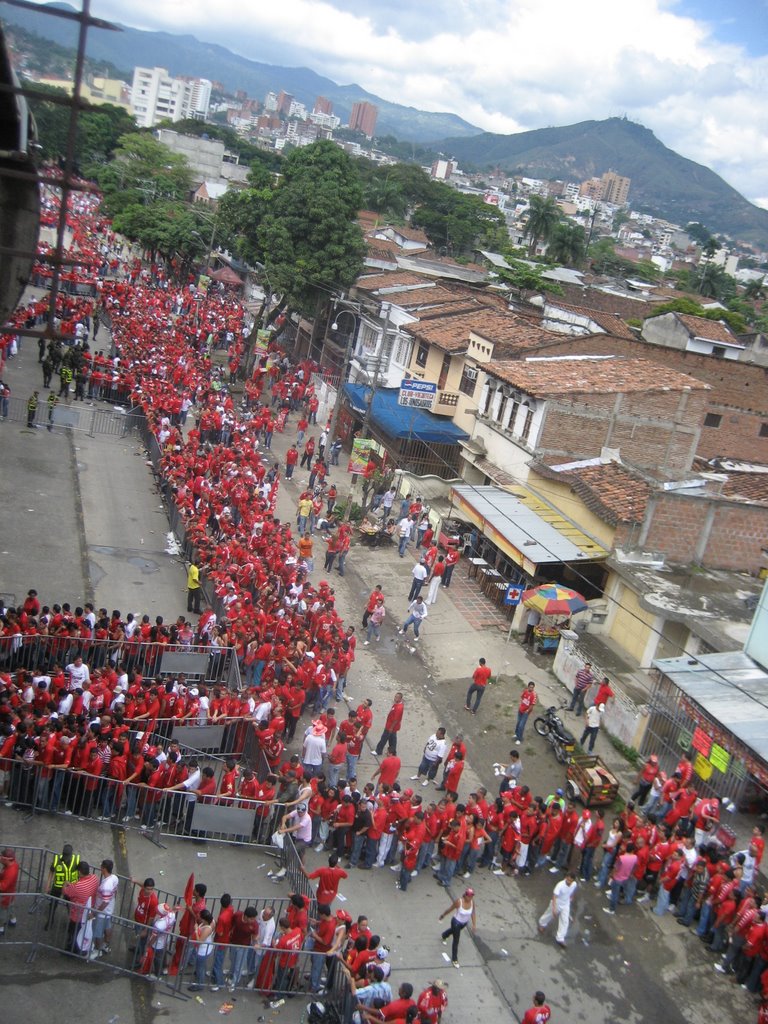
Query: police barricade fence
x=43, y=789
x=45, y=921
x=200, y=663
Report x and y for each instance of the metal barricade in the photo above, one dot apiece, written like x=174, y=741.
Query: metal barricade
x=41, y=789
x=40, y=922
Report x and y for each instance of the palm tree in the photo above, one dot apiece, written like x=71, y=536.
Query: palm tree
x=543, y=214
x=566, y=244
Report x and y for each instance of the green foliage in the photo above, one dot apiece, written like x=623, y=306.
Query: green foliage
x=168, y=228
x=541, y=220
x=525, y=278
x=240, y=215
x=311, y=242
x=627, y=752
x=567, y=244
x=98, y=129
x=143, y=171
x=459, y=223
x=735, y=320
x=698, y=232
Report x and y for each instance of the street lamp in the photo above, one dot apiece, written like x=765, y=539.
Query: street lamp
x=348, y=348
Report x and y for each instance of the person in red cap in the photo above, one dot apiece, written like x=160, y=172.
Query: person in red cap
x=462, y=912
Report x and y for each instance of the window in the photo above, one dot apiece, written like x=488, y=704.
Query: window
x=712, y=419
x=403, y=353
x=444, y=369
x=764, y=430
x=468, y=381
x=421, y=354
x=499, y=417
x=527, y=425
x=718, y=352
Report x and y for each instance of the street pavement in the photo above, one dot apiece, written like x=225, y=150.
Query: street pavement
x=82, y=518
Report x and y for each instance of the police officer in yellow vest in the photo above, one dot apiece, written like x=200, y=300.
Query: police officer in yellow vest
x=62, y=871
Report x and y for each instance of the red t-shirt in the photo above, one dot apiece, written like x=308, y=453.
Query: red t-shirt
x=537, y=1015
x=328, y=880
x=481, y=675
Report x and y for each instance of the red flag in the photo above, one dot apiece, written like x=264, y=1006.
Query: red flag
x=189, y=891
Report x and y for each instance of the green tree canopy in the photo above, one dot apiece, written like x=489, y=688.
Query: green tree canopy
x=459, y=223
x=540, y=220
x=525, y=279
x=98, y=129
x=567, y=244
x=311, y=241
x=143, y=171
x=684, y=305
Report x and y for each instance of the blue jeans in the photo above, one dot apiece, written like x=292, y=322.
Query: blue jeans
x=403, y=545
x=577, y=701
x=342, y=560
x=301, y=525
x=351, y=762
x=405, y=877
x=374, y=630
x=630, y=888
x=704, y=920
x=316, y=971
x=412, y=619
x=522, y=718
x=662, y=903
x=476, y=692
x=425, y=854
x=332, y=772
x=357, y=848
x=616, y=888
x=587, y=861
x=217, y=973
x=605, y=868
x=239, y=954
x=201, y=962
x=446, y=871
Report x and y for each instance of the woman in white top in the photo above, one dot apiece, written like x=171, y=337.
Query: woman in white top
x=462, y=912
x=609, y=853
x=202, y=937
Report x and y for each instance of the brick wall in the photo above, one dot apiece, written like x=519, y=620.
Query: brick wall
x=739, y=391
x=622, y=305
x=715, y=532
x=652, y=429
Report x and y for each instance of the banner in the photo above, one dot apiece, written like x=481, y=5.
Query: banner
x=358, y=459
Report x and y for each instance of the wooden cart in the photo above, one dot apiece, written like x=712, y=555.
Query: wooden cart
x=590, y=781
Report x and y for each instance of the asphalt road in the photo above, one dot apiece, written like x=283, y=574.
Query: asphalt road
x=81, y=518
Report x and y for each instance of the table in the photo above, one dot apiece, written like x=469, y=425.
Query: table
x=474, y=565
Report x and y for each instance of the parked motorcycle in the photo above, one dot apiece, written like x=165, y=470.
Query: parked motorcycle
x=551, y=726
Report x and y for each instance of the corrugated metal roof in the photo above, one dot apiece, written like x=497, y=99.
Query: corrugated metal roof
x=731, y=688
x=529, y=525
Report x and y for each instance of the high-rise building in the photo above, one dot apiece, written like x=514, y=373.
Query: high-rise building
x=270, y=102
x=155, y=97
x=284, y=100
x=322, y=106
x=615, y=188
x=363, y=118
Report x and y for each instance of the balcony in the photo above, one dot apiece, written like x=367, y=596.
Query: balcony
x=446, y=402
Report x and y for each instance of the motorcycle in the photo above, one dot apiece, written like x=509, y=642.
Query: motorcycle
x=551, y=726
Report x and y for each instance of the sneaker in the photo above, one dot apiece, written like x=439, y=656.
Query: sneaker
x=281, y=873
x=230, y=986
x=467, y=707
x=414, y=777
x=399, y=633
x=394, y=867
x=720, y=969
x=127, y=818
x=414, y=874
x=415, y=639
x=425, y=782
x=366, y=642
x=456, y=964
x=94, y=954
x=607, y=910
x=215, y=988
x=104, y=949
x=467, y=874
x=318, y=849
x=499, y=871
x=518, y=742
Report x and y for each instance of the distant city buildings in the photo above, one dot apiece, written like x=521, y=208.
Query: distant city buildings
x=156, y=96
x=363, y=118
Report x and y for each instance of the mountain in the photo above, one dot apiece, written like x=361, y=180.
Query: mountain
x=185, y=55
x=663, y=182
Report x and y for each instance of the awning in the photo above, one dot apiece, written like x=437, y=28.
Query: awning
x=530, y=536
x=401, y=421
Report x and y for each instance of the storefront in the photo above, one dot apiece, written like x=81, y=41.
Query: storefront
x=715, y=709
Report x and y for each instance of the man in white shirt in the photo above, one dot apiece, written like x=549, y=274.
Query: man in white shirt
x=263, y=943
x=78, y=673
x=560, y=907
x=104, y=905
x=417, y=612
x=435, y=750
x=404, y=533
x=419, y=573
x=313, y=751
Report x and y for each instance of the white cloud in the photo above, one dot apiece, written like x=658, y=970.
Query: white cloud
x=508, y=67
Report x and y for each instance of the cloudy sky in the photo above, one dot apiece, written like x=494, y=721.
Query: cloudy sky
x=694, y=71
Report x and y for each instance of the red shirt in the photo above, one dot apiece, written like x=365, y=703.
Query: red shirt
x=481, y=675
x=537, y=1015
x=394, y=718
x=146, y=907
x=328, y=882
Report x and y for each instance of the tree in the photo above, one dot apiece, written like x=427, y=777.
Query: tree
x=526, y=279
x=311, y=241
x=543, y=214
x=240, y=215
x=143, y=171
x=459, y=223
x=567, y=244
x=697, y=232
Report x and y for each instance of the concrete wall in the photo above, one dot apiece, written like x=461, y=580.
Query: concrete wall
x=623, y=718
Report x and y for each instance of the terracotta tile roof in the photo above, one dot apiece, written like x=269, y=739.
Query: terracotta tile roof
x=610, y=490
x=420, y=297
x=749, y=486
x=610, y=323
x=712, y=330
x=382, y=245
x=557, y=375
x=452, y=333
x=397, y=279
x=412, y=234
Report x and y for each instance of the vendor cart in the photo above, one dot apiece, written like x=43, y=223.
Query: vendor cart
x=546, y=638
x=590, y=781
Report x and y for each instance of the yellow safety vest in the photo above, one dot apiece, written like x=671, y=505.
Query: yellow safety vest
x=63, y=872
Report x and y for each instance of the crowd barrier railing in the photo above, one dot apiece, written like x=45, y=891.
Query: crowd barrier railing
x=45, y=921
